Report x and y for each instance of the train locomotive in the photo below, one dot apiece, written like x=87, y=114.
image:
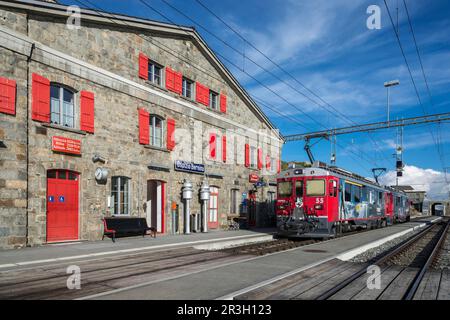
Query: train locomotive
x=324, y=201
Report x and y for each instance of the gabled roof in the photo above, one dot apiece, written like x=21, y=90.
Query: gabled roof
x=126, y=21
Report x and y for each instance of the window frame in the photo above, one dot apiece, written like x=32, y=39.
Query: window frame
x=151, y=73
x=152, y=130
x=280, y=185
x=253, y=157
x=213, y=97
x=61, y=101
x=118, y=191
x=184, y=85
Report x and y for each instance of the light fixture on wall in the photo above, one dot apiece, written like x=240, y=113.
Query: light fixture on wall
x=98, y=158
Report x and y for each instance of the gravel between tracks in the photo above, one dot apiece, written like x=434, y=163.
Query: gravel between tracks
x=372, y=253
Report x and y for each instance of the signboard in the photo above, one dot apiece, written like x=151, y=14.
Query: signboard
x=66, y=145
x=253, y=177
x=260, y=184
x=191, y=167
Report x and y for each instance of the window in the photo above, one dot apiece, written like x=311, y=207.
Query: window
x=213, y=97
x=61, y=106
x=299, y=188
x=357, y=193
x=285, y=189
x=234, y=201
x=156, y=131
x=120, y=192
x=315, y=187
x=253, y=156
x=155, y=73
x=348, y=193
x=188, y=86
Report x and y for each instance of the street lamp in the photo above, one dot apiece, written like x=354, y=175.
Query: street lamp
x=387, y=85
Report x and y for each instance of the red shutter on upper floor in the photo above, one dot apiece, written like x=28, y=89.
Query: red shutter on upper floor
x=170, y=134
x=40, y=105
x=143, y=66
x=224, y=148
x=174, y=80
x=247, y=155
x=7, y=96
x=212, y=145
x=260, y=160
x=223, y=103
x=202, y=94
x=267, y=162
x=279, y=166
x=144, y=127
x=87, y=111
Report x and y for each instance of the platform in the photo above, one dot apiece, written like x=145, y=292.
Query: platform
x=222, y=282
x=89, y=249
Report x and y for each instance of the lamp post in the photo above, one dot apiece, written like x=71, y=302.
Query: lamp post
x=387, y=85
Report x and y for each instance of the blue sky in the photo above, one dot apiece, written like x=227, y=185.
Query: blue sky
x=327, y=47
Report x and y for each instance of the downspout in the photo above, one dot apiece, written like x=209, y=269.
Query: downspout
x=28, y=138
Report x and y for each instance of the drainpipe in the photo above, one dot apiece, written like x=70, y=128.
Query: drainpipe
x=187, y=192
x=204, y=197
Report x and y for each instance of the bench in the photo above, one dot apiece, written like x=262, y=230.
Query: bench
x=114, y=226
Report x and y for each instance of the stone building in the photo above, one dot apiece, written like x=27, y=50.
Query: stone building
x=111, y=116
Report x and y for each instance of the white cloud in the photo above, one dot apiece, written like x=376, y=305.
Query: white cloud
x=429, y=180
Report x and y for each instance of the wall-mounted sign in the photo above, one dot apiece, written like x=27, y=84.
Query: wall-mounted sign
x=253, y=177
x=66, y=145
x=260, y=184
x=191, y=167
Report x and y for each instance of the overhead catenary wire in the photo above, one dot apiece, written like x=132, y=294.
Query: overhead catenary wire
x=413, y=82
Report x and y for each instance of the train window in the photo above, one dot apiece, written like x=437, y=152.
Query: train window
x=348, y=192
x=315, y=187
x=357, y=193
x=299, y=188
x=285, y=189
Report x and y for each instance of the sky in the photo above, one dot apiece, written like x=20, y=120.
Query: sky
x=329, y=72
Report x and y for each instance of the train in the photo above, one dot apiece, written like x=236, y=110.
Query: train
x=324, y=201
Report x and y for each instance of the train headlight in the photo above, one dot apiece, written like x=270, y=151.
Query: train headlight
x=318, y=207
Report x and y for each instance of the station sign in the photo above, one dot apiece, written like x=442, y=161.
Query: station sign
x=253, y=178
x=187, y=166
x=66, y=145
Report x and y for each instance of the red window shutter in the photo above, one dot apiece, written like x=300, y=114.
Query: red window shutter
x=170, y=79
x=178, y=82
x=170, y=134
x=247, y=155
x=224, y=148
x=143, y=66
x=144, y=127
x=260, y=160
x=223, y=103
x=7, y=96
x=279, y=166
x=267, y=162
x=40, y=106
x=202, y=94
x=212, y=145
x=87, y=111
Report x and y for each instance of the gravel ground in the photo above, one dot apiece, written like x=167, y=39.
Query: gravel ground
x=372, y=253
x=443, y=259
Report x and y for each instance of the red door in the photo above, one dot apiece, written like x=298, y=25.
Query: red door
x=333, y=199
x=62, y=205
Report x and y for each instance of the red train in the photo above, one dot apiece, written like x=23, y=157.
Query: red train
x=324, y=201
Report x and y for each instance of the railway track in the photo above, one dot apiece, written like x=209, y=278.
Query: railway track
x=417, y=268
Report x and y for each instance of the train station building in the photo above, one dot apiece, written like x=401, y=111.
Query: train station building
x=114, y=116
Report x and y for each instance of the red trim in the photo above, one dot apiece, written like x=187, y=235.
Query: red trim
x=223, y=103
x=212, y=145
x=163, y=206
x=144, y=126
x=224, y=148
x=247, y=155
x=201, y=94
x=87, y=111
x=40, y=104
x=260, y=160
x=170, y=134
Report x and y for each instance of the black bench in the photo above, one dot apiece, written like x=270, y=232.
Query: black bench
x=124, y=226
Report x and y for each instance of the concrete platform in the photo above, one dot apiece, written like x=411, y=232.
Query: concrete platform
x=49, y=253
x=227, y=281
